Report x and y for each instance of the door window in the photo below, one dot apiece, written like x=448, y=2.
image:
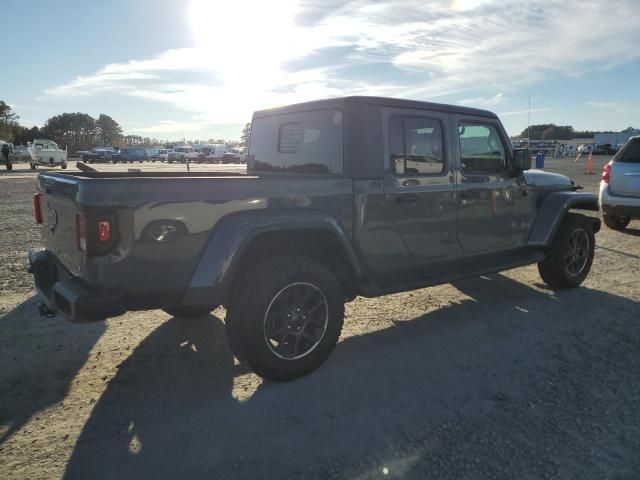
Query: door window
x=415, y=146
x=481, y=149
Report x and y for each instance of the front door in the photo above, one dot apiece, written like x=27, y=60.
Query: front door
x=419, y=184
x=490, y=201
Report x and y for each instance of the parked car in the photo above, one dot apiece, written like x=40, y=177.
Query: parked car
x=47, y=153
x=182, y=154
x=161, y=154
x=585, y=148
x=620, y=186
x=234, y=155
x=213, y=152
x=131, y=155
x=605, y=149
x=79, y=154
x=327, y=213
x=100, y=155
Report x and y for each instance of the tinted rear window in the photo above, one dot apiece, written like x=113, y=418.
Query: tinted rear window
x=306, y=142
x=629, y=153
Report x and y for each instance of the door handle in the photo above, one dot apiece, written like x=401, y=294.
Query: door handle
x=407, y=198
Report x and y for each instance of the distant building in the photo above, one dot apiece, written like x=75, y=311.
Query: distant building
x=614, y=138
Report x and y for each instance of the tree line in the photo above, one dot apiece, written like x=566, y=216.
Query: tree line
x=80, y=131
x=550, y=131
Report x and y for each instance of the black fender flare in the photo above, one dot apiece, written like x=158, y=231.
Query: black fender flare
x=553, y=209
x=233, y=234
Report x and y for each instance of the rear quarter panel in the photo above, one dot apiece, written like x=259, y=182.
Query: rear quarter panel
x=139, y=264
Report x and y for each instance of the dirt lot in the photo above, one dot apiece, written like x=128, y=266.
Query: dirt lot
x=495, y=377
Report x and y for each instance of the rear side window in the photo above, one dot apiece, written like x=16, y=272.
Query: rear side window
x=481, y=149
x=415, y=146
x=630, y=153
x=305, y=142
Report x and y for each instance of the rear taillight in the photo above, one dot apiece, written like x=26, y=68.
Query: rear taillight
x=37, y=209
x=606, y=173
x=81, y=232
x=104, y=230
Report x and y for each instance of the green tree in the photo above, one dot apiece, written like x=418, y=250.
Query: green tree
x=8, y=121
x=77, y=131
x=23, y=135
x=246, y=133
x=108, y=131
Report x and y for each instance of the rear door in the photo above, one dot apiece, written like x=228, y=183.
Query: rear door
x=625, y=171
x=491, y=203
x=419, y=183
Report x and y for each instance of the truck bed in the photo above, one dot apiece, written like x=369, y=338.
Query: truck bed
x=190, y=203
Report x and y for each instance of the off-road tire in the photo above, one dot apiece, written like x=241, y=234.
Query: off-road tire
x=261, y=285
x=616, y=223
x=189, y=311
x=553, y=269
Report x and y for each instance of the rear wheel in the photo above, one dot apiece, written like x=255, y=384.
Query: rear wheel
x=570, y=256
x=189, y=311
x=616, y=223
x=287, y=319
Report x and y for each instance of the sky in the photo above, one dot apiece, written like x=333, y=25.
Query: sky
x=175, y=69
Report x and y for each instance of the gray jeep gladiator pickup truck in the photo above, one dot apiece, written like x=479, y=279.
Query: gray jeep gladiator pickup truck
x=342, y=197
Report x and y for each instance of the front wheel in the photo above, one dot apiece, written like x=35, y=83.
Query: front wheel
x=570, y=256
x=287, y=318
x=616, y=223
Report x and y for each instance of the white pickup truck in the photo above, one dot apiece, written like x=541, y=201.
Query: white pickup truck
x=182, y=154
x=47, y=153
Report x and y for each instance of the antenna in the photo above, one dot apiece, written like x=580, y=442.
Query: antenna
x=529, y=123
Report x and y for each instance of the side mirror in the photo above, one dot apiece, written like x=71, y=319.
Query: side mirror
x=521, y=159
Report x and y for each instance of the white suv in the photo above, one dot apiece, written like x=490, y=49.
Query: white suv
x=620, y=186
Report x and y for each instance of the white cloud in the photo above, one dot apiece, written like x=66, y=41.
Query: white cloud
x=483, y=102
x=442, y=48
x=523, y=112
x=613, y=106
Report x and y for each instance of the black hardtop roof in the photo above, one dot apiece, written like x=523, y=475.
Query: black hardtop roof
x=341, y=102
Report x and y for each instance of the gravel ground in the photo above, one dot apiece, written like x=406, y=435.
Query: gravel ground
x=494, y=377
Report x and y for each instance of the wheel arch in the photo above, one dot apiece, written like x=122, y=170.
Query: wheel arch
x=553, y=210
x=242, y=239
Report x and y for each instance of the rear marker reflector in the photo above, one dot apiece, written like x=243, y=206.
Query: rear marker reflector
x=37, y=209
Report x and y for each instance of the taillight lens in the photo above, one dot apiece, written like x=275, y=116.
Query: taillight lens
x=104, y=230
x=606, y=173
x=81, y=232
x=37, y=208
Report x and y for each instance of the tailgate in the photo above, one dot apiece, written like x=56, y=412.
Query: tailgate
x=58, y=228
x=625, y=179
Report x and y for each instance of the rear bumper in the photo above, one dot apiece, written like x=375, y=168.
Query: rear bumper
x=617, y=205
x=69, y=295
